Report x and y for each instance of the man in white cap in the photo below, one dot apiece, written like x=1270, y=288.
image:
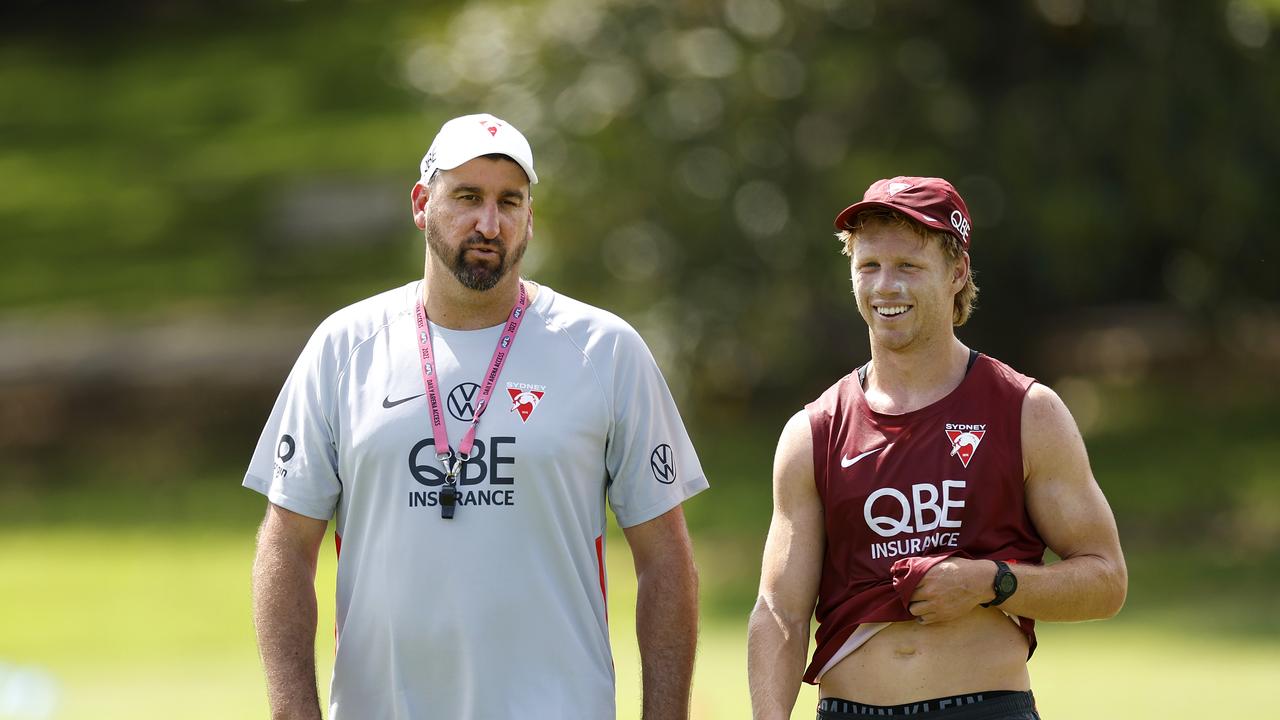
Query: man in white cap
x=464, y=432
x=915, y=498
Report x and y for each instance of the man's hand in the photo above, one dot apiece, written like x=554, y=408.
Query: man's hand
x=952, y=588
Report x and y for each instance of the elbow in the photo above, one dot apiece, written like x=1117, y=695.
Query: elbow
x=768, y=614
x=672, y=576
x=1118, y=590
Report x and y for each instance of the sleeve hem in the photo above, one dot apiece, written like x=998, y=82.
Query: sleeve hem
x=276, y=497
x=687, y=490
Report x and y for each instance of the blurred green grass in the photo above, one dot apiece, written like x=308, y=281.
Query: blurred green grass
x=125, y=572
x=156, y=624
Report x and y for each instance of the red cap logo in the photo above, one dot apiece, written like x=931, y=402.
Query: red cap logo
x=932, y=202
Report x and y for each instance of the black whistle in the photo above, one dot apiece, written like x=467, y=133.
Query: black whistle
x=448, y=501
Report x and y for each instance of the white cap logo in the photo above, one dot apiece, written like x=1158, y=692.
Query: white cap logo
x=895, y=188
x=472, y=136
x=960, y=224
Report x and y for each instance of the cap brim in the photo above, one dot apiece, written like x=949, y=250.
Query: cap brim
x=528, y=171
x=846, y=217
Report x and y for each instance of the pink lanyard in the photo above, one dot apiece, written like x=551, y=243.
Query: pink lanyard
x=449, y=494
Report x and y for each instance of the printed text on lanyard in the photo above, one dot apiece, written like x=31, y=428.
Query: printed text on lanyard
x=454, y=462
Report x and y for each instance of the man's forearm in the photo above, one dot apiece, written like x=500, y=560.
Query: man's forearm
x=1086, y=587
x=284, y=601
x=667, y=630
x=776, y=651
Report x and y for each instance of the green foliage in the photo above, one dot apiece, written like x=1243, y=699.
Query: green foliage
x=693, y=156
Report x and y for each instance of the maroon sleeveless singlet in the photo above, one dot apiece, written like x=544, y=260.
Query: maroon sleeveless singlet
x=903, y=492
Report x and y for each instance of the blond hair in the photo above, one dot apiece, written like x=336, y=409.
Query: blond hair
x=966, y=299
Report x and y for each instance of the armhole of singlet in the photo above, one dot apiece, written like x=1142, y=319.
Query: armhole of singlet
x=862, y=371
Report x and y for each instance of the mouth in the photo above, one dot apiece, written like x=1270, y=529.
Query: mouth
x=892, y=311
x=487, y=252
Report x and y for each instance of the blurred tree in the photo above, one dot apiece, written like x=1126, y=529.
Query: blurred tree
x=693, y=157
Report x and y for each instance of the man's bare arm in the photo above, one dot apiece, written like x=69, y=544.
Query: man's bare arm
x=778, y=633
x=1070, y=513
x=284, y=610
x=666, y=613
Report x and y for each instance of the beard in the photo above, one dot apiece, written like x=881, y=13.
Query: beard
x=477, y=274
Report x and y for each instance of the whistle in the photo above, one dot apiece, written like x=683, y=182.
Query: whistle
x=448, y=501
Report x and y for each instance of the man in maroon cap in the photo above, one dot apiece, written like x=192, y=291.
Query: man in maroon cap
x=914, y=500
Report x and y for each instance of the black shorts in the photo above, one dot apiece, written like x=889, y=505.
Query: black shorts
x=998, y=705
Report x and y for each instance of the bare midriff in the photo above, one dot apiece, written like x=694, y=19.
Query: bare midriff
x=907, y=662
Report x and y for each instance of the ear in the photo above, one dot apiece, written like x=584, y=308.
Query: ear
x=961, y=275
x=418, y=201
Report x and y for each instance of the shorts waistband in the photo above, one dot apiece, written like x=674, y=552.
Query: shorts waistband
x=972, y=706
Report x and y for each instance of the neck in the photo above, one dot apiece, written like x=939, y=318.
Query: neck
x=905, y=380
x=451, y=305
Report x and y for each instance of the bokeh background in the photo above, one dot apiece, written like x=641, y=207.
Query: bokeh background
x=187, y=188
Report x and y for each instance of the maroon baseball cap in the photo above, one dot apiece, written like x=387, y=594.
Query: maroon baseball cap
x=932, y=202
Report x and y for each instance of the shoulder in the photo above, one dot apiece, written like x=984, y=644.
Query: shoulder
x=345, y=330
x=795, y=443
x=1003, y=374
x=794, y=487
x=1044, y=413
x=1049, y=432
x=593, y=330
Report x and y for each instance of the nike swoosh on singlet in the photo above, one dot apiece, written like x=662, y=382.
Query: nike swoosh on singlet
x=388, y=403
x=847, y=461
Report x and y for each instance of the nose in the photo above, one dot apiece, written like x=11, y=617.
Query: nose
x=888, y=284
x=488, y=224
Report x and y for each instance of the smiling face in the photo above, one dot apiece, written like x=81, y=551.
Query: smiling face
x=905, y=285
x=478, y=220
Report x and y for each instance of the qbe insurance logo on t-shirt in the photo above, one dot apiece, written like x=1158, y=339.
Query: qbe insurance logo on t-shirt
x=486, y=479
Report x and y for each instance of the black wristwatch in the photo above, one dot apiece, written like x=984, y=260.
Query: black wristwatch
x=1005, y=584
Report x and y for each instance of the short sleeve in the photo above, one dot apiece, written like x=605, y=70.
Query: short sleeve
x=295, y=463
x=651, y=461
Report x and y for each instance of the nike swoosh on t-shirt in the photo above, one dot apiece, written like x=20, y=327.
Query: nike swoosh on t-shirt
x=847, y=461
x=388, y=403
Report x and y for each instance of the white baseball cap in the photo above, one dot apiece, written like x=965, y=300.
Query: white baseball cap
x=471, y=136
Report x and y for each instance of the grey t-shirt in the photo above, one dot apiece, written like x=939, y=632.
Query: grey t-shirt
x=500, y=611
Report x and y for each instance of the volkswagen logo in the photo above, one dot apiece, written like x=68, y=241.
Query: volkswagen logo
x=662, y=461
x=462, y=401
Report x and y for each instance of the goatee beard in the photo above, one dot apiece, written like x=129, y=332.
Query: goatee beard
x=473, y=275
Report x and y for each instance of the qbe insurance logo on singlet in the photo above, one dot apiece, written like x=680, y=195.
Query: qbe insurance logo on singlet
x=927, y=513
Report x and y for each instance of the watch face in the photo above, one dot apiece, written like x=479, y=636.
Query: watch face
x=1008, y=583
